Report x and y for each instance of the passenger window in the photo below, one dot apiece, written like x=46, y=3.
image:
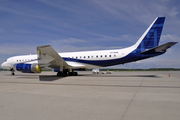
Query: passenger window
x=109, y=55
x=105, y=55
x=84, y=56
x=114, y=55
x=101, y=55
x=97, y=56
x=76, y=57
x=91, y=56
x=88, y=56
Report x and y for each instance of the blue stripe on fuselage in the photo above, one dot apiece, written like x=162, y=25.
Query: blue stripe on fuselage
x=133, y=56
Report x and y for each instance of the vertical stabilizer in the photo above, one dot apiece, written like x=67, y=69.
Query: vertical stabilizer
x=152, y=35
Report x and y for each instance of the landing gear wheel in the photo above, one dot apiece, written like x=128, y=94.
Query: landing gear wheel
x=70, y=73
x=64, y=74
x=75, y=73
x=12, y=73
x=59, y=74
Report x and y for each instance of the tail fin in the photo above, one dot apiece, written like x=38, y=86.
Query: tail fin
x=152, y=35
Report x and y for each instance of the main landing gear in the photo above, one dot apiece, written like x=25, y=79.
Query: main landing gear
x=67, y=73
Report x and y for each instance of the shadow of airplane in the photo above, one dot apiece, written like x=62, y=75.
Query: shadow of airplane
x=110, y=75
x=54, y=77
x=49, y=77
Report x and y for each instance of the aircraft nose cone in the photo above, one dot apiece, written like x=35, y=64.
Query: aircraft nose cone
x=4, y=66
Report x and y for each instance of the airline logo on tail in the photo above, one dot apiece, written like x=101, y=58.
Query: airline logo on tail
x=152, y=37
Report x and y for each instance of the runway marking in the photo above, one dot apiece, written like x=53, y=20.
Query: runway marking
x=10, y=90
x=132, y=99
x=92, y=85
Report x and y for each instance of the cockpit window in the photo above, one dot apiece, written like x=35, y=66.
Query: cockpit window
x=5, y=60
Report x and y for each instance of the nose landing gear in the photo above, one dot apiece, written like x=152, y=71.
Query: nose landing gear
x=12, y=72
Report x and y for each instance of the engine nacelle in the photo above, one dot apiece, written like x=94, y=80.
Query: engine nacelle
x=27, y=68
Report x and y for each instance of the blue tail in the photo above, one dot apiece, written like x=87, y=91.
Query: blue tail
x=152, y=35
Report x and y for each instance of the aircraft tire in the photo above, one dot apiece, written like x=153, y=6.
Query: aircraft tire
x=70, y=73
x=75, y=73
x=59, y=74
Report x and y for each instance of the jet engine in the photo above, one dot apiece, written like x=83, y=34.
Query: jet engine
x=27, y=68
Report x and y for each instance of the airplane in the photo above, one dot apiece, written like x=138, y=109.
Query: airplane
x=66, y=63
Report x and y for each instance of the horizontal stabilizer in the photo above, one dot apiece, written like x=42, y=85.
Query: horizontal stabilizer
x=159, y=49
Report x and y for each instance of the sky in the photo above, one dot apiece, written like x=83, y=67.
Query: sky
x=82, y=25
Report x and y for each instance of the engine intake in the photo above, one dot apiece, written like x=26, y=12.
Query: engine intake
x=27, y=68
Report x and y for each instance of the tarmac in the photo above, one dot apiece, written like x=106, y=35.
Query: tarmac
x=117, y=96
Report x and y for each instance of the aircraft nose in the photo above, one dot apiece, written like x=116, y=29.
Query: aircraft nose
x=4, y=65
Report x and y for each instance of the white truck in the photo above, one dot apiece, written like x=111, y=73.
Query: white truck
x=95, y=71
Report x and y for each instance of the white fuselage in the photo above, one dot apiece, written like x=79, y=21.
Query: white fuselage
x=99, y=55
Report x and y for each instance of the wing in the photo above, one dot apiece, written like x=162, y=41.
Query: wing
x=159, y=49
x=48, y=57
